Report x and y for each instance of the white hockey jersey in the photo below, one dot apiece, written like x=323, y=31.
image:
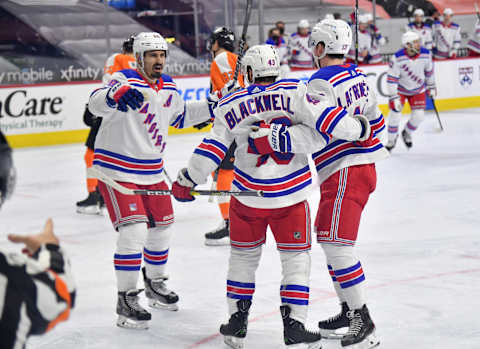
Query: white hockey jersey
x=474, y=42
x=346, y=86
x=129, y=146
x=299, y=52
x=410, y=75
x=446, y=39
x=284, y=177
x=424, y=31
x=367, y=41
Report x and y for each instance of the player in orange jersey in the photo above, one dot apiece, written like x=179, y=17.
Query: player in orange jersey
x=222, y=70
x=118, y=61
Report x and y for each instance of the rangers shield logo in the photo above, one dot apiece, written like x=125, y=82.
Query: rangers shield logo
x=465, y=75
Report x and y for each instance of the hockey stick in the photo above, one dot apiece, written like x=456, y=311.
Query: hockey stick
x=243, y=40
x=169, y=179
x=436, y=113
x=356, y=32
x=94, y=173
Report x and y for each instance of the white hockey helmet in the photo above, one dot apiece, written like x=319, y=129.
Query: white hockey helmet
x=335, y=34
x=418, y=12
x=148, y=41
x=329, y=16
x=448, y=11
x=263, y=60
x=303, y=24
x=409, y=37
x=368, y=17
x=364, y=19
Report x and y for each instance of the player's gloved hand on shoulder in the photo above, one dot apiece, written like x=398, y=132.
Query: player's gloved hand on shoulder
x=266, y=139
x=124, y=96
x=432, y=92
x=366, y=136
x=395, y=104
x=182, y=186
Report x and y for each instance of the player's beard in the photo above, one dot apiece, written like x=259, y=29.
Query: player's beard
x=156, y=71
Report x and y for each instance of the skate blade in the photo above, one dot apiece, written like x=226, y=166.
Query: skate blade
x=334, y=334
x=314, y=345
x=156, y=304
x=233, y=342
x=368, y=343
x=218, y=242
x=91, y=210
x=125, y=322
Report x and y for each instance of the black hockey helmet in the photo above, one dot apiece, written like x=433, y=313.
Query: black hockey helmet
x=127, y=45
x=225, y=38
x=7, y=170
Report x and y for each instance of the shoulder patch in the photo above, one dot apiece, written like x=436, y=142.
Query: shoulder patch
x=400, y=53
x=167, y=78
x=424, y=50
x=130, y=73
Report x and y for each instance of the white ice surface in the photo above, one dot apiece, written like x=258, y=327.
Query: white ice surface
x=419, y=245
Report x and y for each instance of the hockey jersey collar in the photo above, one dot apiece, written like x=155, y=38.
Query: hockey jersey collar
x=157, y=86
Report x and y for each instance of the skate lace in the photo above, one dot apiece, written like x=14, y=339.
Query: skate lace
x=356, y=323
x=159, y=286
x=132, y=302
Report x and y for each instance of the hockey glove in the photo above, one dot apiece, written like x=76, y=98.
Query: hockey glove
x=124, y=96
x=366, y=136
x=182, y=186
x=453, y=55
x=395, y=104
x=432, y=92
x=266, y=139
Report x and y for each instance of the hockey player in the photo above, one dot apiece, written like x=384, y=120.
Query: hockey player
x=300, y=55
x=137, y=107
x=37, y=290
x=118, y=61
x=369, y=41
x=276, y=40
x=285, y=179
x=446, y=37
x=474, y=42
x=222, y=70
x=424, y=30
x=346, y=171
x=410, y=75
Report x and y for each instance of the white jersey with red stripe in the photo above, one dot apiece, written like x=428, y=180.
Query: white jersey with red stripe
x=446, y=39
x=345, y=86
x=474, y=42
x=130, y=145
x=283, y=177
x=410, y=75
x=300, y=54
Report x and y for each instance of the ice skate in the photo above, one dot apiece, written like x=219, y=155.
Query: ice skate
x=361, y=331
x=130, y=313
x=391, y=143
x=295, y=335
x=159, y=296
x=407, y=138
x=219, y=236
x=235, y=330
x=336, y=326
x=92, y=204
